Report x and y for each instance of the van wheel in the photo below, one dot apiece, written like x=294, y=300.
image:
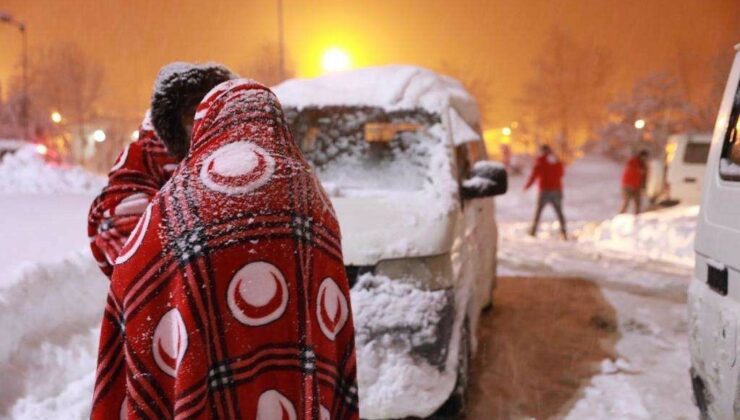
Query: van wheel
x=456, y=405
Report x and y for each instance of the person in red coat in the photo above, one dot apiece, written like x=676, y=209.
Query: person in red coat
x=138, y=174
x=548, y=172
x=230, y=297
x=633, y=181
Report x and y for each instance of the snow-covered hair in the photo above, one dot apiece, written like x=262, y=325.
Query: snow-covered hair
x=180, y=87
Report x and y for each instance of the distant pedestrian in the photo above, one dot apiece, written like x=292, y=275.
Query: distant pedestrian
x=633, y=181
x=548, y=172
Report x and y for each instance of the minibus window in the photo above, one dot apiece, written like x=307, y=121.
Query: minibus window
x=729, y=165
x=696, y=153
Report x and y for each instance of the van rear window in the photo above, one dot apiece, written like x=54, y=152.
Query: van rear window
x=696, y=153
x=729, y=166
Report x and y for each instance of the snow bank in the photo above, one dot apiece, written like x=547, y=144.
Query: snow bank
x=50, y=316
x=25, y=171
x=666, y=235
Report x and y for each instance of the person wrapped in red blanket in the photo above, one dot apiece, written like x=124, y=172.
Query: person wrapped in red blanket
x=230, y=297
x=140, y=171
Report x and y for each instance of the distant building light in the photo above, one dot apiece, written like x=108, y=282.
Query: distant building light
x=56, y=117
x=640, y=124
x=506, y=131
x=41, y=149
x=99, y=136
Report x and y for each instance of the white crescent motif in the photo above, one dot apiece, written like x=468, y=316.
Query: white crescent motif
x=121, y=159
x=137, y=236
x=133, y=204
x=123, y=413
x=237, y=168
x=332, y=309
x=257, y=294
x=273, y=405
x=324, y=413
x=170, y=342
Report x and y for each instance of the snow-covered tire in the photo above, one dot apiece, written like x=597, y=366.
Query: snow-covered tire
x=456, y=405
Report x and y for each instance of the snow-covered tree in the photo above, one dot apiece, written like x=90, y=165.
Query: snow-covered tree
x=62, y=78
x=568, y=90
x=657, y=100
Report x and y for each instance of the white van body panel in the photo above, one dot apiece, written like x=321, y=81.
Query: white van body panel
x=714, y=318
x=684, y=177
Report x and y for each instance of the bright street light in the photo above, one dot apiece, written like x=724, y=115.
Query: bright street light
x=640, y=124
x=99, y=136
x=506, y=131
x=135, y=135
x=335, y=59
x=56, y=117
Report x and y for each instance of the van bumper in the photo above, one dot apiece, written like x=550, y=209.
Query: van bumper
x=712, y=330
x=403, y=336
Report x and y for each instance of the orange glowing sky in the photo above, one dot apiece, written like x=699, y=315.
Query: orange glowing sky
x=499, y=39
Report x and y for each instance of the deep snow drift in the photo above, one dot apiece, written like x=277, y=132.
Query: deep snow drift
x=25, y=171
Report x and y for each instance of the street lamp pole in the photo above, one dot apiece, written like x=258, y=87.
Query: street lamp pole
x=281, y=40
x=7, y=18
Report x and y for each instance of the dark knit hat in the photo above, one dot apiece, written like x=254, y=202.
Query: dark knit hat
x=179, y=88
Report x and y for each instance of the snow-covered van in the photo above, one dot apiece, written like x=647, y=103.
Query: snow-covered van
x=398, y=150
x=714, y=293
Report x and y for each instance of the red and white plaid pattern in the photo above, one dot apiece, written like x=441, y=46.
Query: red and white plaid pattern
x=140, y=171
x=230, y=299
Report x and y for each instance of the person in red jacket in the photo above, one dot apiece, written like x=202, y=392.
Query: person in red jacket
x=548, y=172
x=633, y=181
x=138, y=174
x=230, y=297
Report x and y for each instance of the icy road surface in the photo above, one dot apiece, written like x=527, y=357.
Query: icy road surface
x=616, y=336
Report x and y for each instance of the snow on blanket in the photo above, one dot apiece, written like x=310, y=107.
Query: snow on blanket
x=25, y=171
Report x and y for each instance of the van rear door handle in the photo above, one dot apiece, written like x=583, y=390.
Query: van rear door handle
x=717, y=277
x=689, y=180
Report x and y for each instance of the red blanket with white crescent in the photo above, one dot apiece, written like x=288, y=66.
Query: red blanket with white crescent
x=140, y=171
x=230, y=298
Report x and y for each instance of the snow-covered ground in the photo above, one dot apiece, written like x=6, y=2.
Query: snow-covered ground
x=50, y=289
x=643, y=266
x=51, y=295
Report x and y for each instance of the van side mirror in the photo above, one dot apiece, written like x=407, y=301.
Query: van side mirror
x=487, y=179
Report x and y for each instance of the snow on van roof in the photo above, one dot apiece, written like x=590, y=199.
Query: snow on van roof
x=391, y=87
